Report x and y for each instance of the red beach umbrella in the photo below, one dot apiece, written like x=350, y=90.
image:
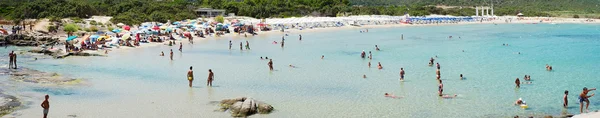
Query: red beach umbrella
x=126, y=27
x=156, y=28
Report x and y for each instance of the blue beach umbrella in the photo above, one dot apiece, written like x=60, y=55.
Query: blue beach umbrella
x=116, y=30
x=176, y=23
x=71, y=38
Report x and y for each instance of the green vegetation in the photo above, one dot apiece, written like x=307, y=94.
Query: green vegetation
x=137, y=11
x=93, y=28
x=70, y=28
x=219, y=19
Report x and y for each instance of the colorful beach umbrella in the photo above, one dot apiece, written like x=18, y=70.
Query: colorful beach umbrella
x=156, y=28
x=126, y=36
x=71, y=38
x=126, y=27
x=116, y=30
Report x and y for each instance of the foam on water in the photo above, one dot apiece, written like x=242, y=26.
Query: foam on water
x=146, y=85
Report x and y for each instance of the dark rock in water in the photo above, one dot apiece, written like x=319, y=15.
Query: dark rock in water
x=8, y=104
x=242, y=107
x=59, y=54
x=26, y=40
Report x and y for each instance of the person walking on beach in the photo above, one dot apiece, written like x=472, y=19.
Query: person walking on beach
x=180, y=47
x=46, y=105
x=270, y=64
x=518, y=83
x=247, y=45
x=171, y=54
x=230, y=44
x=10, y=59
x=566, y=103
x=190, y=76
x=210, y=79
x=401, y=74
x=584, y=98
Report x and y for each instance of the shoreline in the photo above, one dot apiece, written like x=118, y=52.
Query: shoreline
x=233, y=36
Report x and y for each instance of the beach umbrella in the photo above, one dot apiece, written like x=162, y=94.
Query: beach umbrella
x=176, y=23
x=126, y=36
x=156, y=28
x=116, y=30
x=120, y=24
x=126, y=27
x=71, y=38
x=4, y=31
x=163, y=27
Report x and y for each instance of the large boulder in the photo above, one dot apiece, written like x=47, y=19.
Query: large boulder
x=26, y=40
x=263, y=108
x=242, y=107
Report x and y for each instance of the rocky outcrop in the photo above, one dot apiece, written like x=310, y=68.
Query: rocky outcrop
x=8, y=104
x=242, y=107
x=38, y=77
x=59, y=53
x=27, y=40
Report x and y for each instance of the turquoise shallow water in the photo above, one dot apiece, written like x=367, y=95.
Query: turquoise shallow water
x=145, y=84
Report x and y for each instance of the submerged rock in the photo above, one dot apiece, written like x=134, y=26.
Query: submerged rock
x=59, y=53
x=35, y=76
x=8, y=104
x=242, y=107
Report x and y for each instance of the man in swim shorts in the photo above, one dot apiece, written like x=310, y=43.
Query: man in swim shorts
x=362, y=55
x=401, y=74
x=46, y=106
x=270, y=64
x=566, y=103
x=230, y=44
x=190, y=76
x=211, y=77
x=583, y=97
x=171, y=54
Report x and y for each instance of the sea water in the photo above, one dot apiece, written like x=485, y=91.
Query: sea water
x=140, y=83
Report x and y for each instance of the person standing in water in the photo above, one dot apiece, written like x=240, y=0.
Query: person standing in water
x=376, y=48
x=46, y=105
x=211, y=77
x=363, y=54
x=241, y=46
x=282, y=42
x=438, y=65
x=401, y=74
x=230, y=44
x=440, y=88
x=190, y=76
x=431, y=61
x=10, y=59
x=322, y=57
x=584, y=98
x=369, y=64
x=300, y=37
x=566, y=102
x=438, y=75
x=370, y=55
x=180, y=47
x=15, y=60
x=171, y=55
x=518, y=83
x=379, y=65
x=247, y=45
x=270, y=64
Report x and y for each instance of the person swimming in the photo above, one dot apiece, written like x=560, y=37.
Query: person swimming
x=261, y=58
x=449, y=96
x=379, y=66
x=391, y=96
x=519, y=102
x=461, y=77
x=292, y=66
x=364, y=76
x=322, y=56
